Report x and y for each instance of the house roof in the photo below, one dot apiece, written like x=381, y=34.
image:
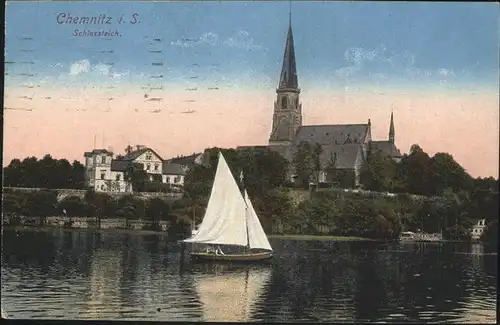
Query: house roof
x=121, y=165
x=170, y=168
x=136, y=153
x=386, y=147
x=97, y=152
x=332, y=134
x=185, y=160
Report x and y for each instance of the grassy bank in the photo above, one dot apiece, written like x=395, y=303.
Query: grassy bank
x=320, y=238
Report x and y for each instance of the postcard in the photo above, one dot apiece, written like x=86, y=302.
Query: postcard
x=235, y=131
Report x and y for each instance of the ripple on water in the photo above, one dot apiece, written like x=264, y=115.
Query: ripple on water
x=130, y=280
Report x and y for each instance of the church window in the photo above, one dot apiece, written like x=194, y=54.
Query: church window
x=284, y=102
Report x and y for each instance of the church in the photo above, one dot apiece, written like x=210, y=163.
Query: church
x=344, y=146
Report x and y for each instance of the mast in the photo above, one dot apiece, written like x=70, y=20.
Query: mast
x=246, y=209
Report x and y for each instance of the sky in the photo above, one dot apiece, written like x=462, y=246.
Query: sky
x=183, y=76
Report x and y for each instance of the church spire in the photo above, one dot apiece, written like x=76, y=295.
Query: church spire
x=391, y=129
x=288, y=78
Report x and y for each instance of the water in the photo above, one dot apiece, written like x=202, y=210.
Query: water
x=58, y=274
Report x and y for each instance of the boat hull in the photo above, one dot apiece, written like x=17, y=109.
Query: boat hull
x=252, y=257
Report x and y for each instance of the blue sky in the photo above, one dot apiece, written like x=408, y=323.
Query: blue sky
x=337, y=43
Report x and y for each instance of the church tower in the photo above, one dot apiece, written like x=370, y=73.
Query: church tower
x=391, y=130
x=287, y=117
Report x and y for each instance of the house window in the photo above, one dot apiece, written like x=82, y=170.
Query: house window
x=156, y=167
x=102, y=187
x=167, y=179
x=118, y=177
x=148, y=156
x=103, y=175
x=177, y=179
x=148, y=167
x=98, y=159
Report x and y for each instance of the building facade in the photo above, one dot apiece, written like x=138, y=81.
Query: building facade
x=106, y=173
x=344, y=146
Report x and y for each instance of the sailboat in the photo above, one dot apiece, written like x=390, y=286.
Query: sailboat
x=230, y=221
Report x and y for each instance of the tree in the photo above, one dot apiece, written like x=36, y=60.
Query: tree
x=13, y=173
x=316, y=157
x=490, y=234
x=157, y=209
x=379, y=172
x=41, y=204
x=77, y=179
x=303, y=163
x=131, y=207
x=74, y=206
x=447, y=173
x=416, y=171
x=12, y=204
x=136, y=176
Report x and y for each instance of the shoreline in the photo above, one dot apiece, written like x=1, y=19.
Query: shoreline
x=107, y=230
x=165, y=233
x=140, y=232
x=320, y=237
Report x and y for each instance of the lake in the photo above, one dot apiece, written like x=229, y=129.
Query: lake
x=61, y=274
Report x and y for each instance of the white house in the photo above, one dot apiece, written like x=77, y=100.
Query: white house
x=478, y=229
x=107, y=174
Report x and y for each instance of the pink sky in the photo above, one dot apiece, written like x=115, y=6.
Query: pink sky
x=465, y=124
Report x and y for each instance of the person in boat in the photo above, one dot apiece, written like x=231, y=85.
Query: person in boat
x=219, y=251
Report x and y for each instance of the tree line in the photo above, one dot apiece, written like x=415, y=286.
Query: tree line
x=450, y=200
x=44, y=173
x=42, y=204
x=50, y=173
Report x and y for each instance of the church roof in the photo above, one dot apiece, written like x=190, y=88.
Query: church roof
x=344, y=156
x=332, y=134
x=386, y=147
x=340, y=142
x=288, y=78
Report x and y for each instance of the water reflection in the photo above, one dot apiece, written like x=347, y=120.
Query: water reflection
x=85, y=275
x=229, y=293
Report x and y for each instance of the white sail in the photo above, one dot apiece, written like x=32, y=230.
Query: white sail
x=231, y=297
x=225, y=217
x=256, y=234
